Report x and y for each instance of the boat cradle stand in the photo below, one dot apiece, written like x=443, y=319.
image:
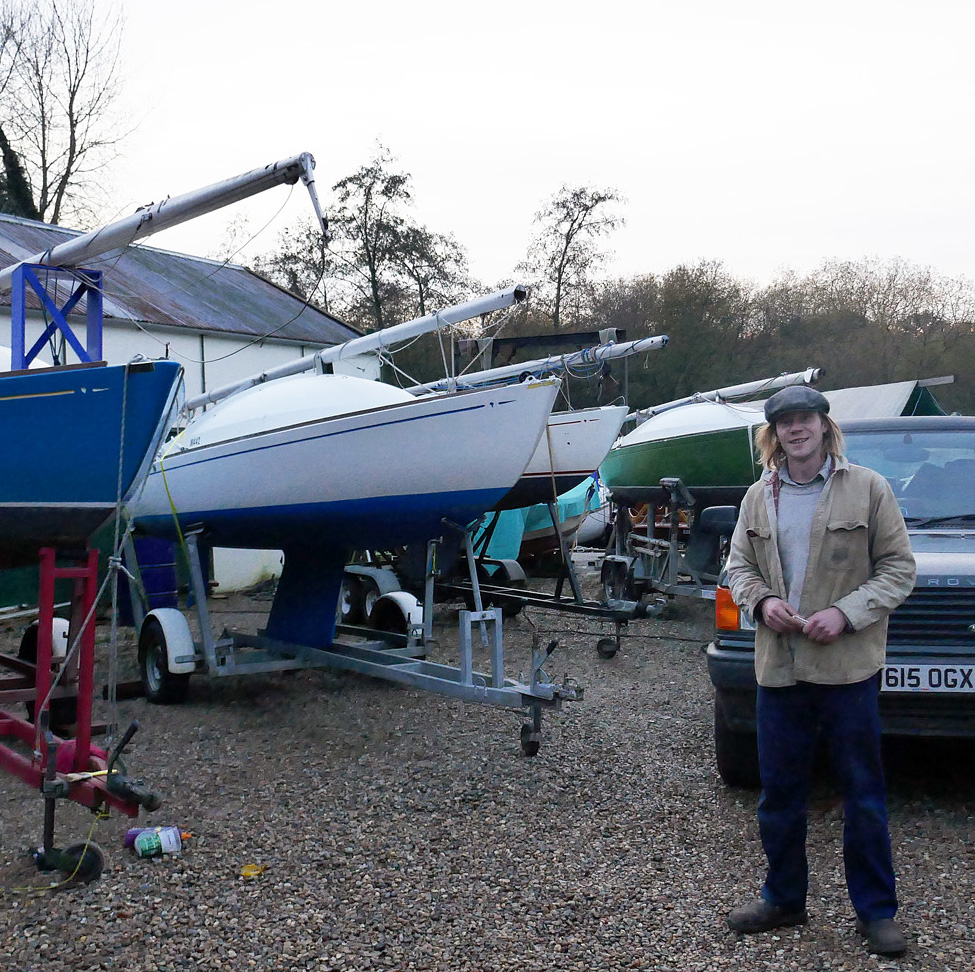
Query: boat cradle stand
x=168, y=655
x=57, y=689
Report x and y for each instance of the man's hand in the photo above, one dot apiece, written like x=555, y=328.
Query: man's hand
x=779, y=616
x=825, y=626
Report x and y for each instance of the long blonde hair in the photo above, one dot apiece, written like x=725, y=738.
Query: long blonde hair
x=771, y=455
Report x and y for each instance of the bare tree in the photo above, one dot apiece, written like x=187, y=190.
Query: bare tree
x=435, y=265
x=11, y=31
x=380, y=265
x=367, y=226
x=15, y=194
x=566, y=250
x=57, y=110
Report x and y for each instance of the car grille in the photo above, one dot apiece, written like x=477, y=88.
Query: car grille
x=941, y=617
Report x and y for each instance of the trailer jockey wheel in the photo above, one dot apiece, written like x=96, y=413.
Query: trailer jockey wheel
x=64, y=712
x=607, y=647
x=530, y=743
x=83, y=861
x=531, y=732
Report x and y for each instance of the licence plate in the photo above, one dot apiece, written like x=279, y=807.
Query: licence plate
x=929, y=678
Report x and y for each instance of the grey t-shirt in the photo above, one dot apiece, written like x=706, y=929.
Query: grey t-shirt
x=797, y=504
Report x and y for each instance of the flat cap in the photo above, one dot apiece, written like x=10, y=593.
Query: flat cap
x=795, y=398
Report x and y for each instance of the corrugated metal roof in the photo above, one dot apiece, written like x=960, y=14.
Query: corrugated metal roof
x=150, y=285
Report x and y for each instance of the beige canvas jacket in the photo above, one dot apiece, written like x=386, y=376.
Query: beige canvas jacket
x=860, y=561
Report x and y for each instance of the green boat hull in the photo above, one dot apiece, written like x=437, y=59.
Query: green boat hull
x=716, y=466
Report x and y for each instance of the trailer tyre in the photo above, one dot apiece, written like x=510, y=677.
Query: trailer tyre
x=160, y=685
x=736, y=753
x=510, y=606
x=369, y=596
x=397, y=612
x=606, y=647
x=615, y=581
x=386, y=615
x=83, y=861
x=350, y=601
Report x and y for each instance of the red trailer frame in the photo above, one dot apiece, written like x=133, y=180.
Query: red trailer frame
x=32, y=681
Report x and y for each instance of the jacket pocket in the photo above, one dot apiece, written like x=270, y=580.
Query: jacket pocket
x=846, y=545
x=761, y=540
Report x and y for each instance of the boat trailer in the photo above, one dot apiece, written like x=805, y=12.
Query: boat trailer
x=51, y=749
x=502, y=583
x=168, y=654
x=684, y=564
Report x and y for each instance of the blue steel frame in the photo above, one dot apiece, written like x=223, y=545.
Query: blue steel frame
x=89, y=286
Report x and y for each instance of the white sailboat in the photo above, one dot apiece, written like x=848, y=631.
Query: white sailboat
x=342, y=462
x=319, y=465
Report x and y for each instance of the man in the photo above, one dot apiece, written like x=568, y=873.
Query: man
x=820, y=557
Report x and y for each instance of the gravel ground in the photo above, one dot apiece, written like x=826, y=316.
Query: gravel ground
x=399, y=830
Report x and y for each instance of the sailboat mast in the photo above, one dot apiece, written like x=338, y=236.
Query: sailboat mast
x=174, y=210
x=371, y=342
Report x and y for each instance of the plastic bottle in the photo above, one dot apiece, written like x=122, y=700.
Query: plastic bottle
x=158, y=840
x=130, y=835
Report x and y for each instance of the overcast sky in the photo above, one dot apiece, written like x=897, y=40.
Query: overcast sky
x=766, y=134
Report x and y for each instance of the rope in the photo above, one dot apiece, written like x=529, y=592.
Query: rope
x=113, y=573
x=56, y=885
x=169, y=496
x=551, y=466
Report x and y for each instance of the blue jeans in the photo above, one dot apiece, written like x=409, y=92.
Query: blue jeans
x=789, y=721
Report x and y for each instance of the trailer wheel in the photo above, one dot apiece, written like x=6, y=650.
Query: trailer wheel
x=160, y=685
x=82, y=861
x=510, y=606
x=614, y=581
x=530, y=743
x=606, y=647
x=63, y=712
x=386, y=615
x=370, y=594
x=350, y=601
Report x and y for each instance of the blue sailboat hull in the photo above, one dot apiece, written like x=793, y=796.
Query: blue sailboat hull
x=78, y=439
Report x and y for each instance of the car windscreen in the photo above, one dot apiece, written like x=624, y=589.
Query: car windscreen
x=932, y=472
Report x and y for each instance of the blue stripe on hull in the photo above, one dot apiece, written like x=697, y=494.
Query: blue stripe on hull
x=374, y=523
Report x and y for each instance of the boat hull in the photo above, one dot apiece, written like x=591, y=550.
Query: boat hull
x=573, y=446
x=360, y=480
x=708, y=446
x=80, y=439
x=716, y=467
